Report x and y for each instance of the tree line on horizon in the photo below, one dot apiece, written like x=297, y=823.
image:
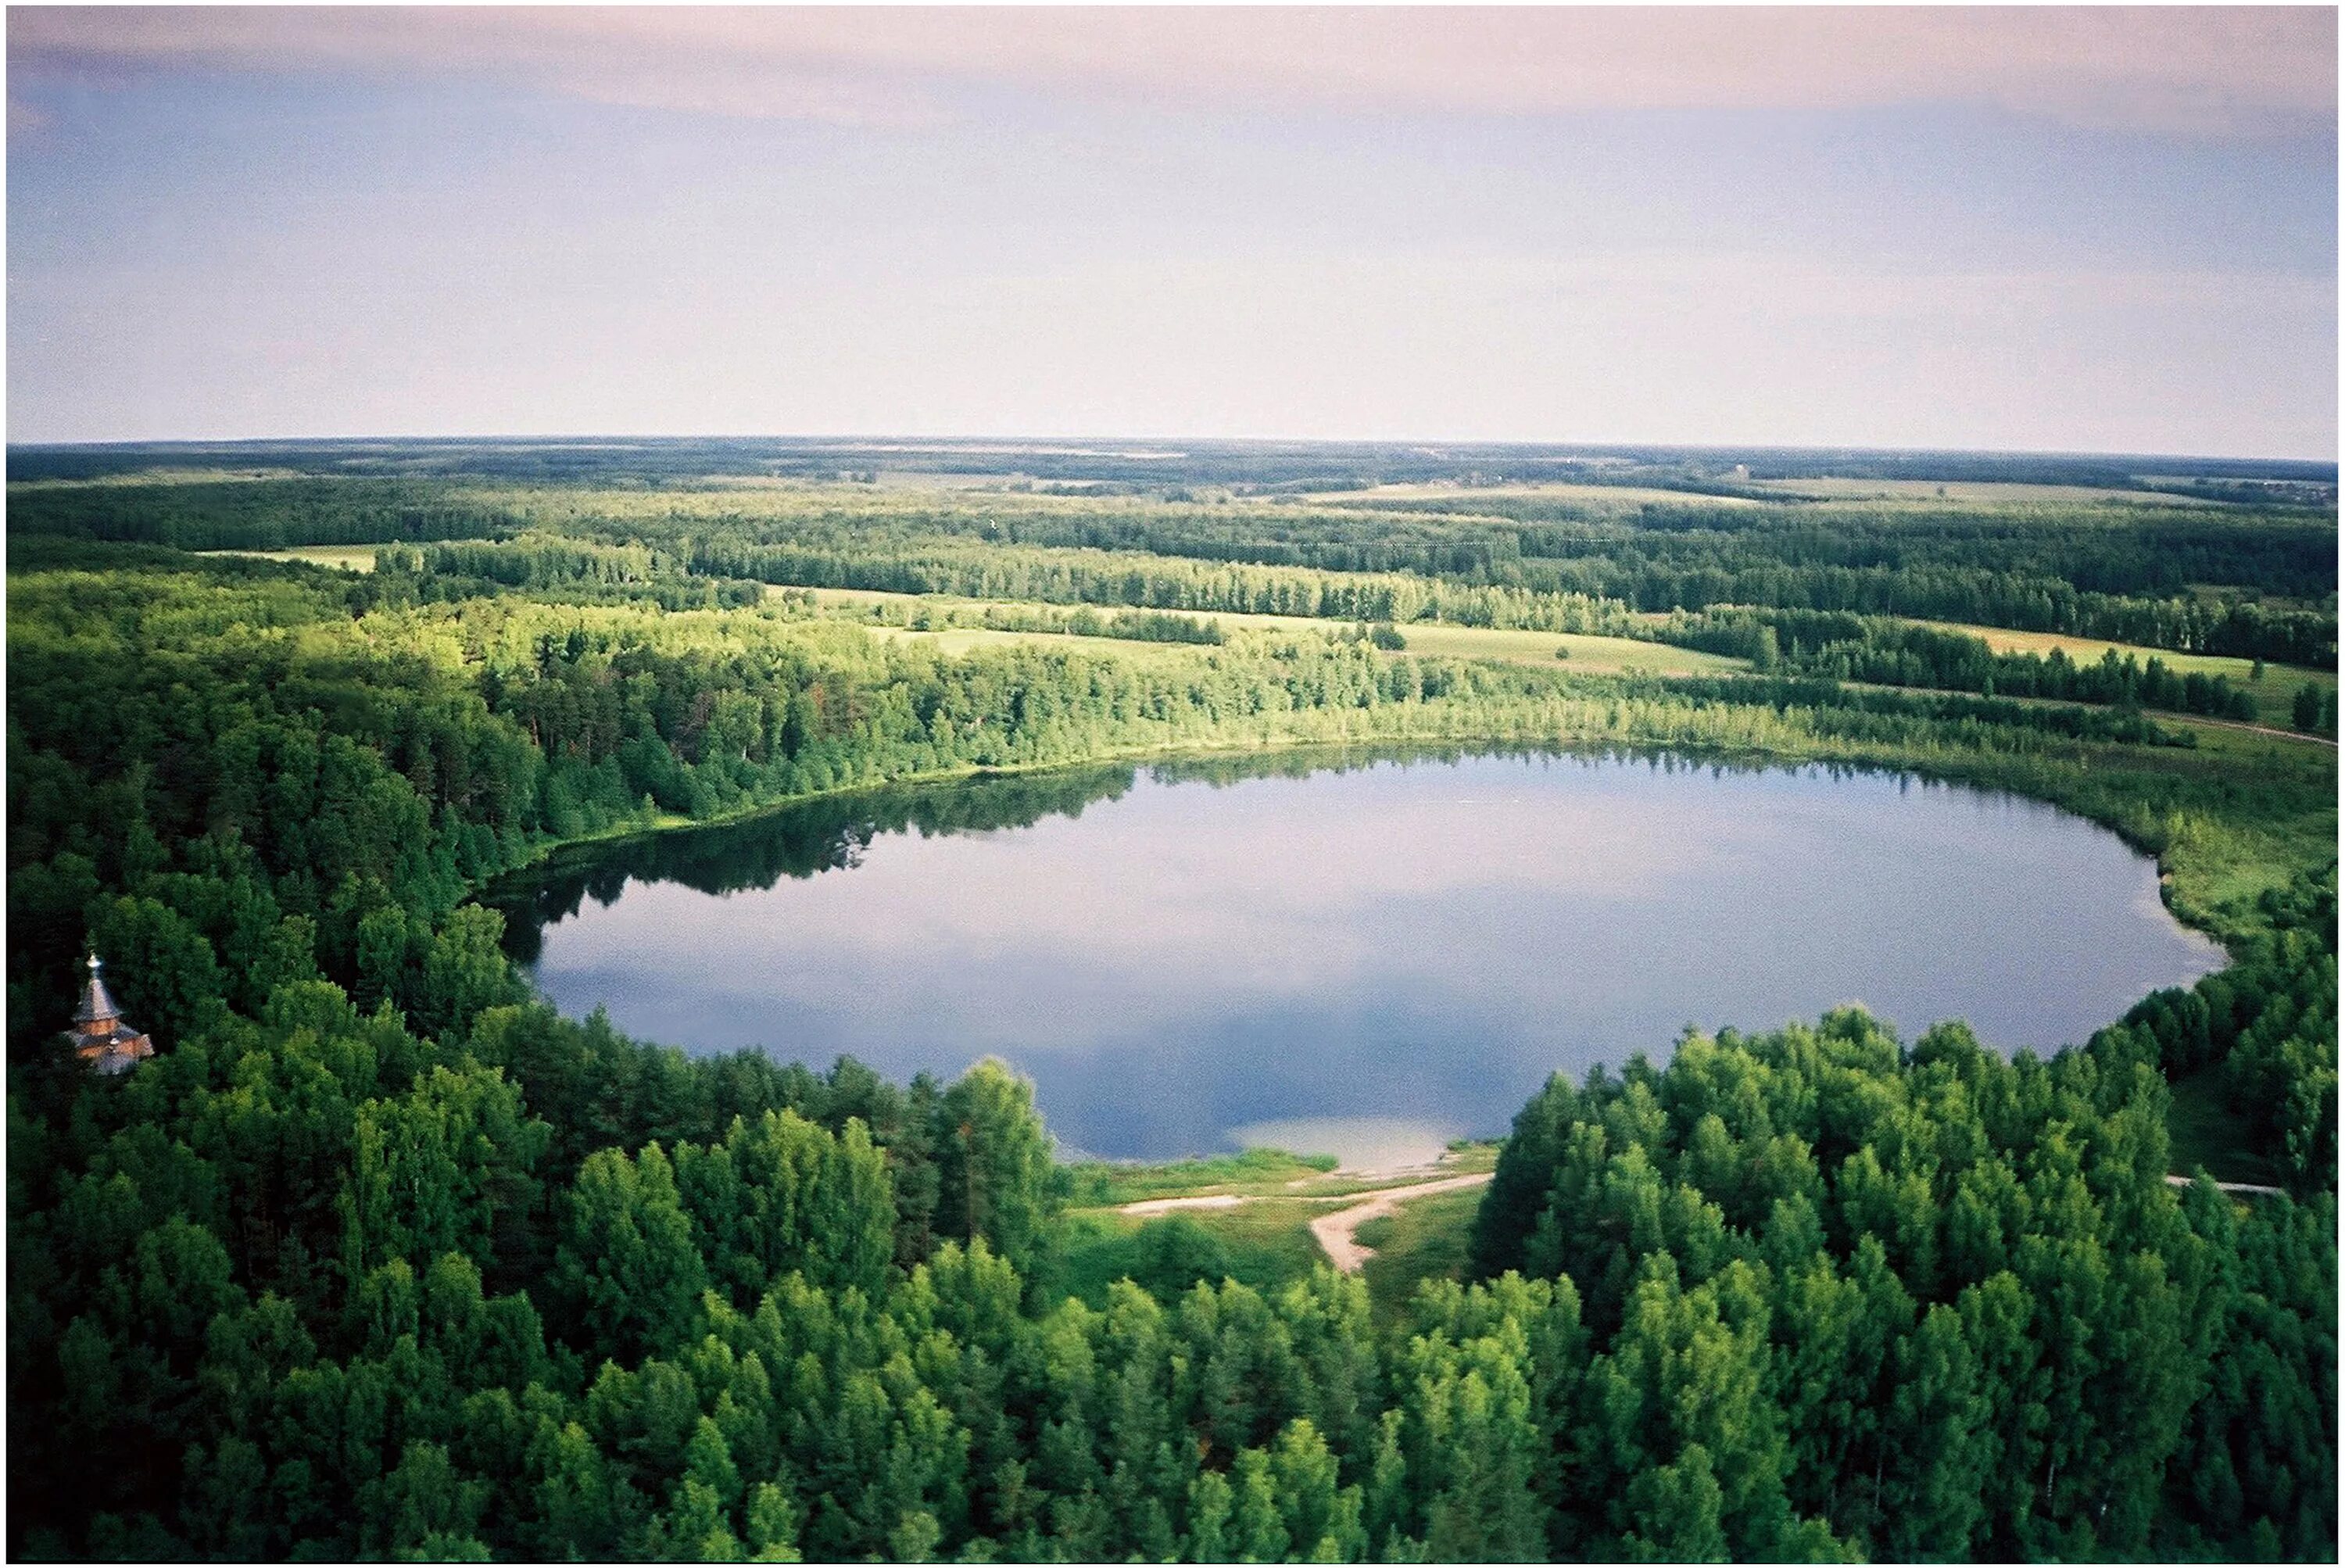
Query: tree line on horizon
x=2248, y=582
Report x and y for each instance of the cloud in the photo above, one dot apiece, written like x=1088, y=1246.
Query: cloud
x=2172, y=69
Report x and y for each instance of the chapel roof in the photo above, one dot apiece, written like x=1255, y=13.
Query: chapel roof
x=96, y=1002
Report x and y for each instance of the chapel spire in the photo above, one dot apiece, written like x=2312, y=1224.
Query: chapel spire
x=99, y=1035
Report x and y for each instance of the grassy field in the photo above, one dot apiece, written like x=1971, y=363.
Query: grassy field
x=1423, y=1239
x=858, y=602
x=2273, y=693
x=2216, y=861
x=960, y=640
x=1972, y=491
x=1595, y=655
x=1265, y=1240
x=349, y=557
x=157, y=476
x=1622, y=495
x=869, y=599
x=1272, y=1173
x=1100, y=1185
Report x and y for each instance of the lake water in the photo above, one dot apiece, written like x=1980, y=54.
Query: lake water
x=1362, y=958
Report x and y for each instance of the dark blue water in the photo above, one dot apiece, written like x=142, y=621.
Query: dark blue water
x=1366, y=960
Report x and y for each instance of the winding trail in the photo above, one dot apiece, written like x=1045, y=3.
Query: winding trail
x=1338, y=1232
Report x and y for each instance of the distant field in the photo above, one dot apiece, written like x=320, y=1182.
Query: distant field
x=1593, y=655
x=1617, y=495
x=866, y=599
x=924, y=479
x=160, y=476
x=960, y=640
x=2273, y=694
x=349, y=557
x=1971, y=491
x=1597, y=656
x=954, y=640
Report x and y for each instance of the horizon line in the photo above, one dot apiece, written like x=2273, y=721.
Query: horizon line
x=581, y=437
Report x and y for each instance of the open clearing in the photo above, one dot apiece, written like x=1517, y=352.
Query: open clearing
x=936, y=604
x=2273, y=694
x=148, y=476
x=1395, y=1227
x=1592, y=655
x=1426, y=1239
x=1395, y=1237
x=960, y=640
x=1597, y=656
x=1338, y=1233
x=1622, y=495
x=1956, y=492
x=349, y=557
x=1167, y=1204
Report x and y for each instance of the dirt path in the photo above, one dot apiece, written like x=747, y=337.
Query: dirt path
x=1336, y=1232
x=2253, y=728
x=2234, y=1186
x=1167, y=1204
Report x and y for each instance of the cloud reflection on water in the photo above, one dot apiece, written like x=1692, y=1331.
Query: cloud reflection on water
x=1427, y=940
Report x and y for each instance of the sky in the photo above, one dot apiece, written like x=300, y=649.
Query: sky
x=2094, y=229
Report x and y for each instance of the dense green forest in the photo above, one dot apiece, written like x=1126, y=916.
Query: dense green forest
x=380, y=1257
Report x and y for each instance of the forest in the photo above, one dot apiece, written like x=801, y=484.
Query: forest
x=381, y=1257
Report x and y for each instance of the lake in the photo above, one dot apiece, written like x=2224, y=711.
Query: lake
x=1365, y=957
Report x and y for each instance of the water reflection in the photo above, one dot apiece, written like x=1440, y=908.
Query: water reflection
x=1182, y=953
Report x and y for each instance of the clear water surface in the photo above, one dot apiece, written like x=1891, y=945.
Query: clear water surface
x=1366, y=958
